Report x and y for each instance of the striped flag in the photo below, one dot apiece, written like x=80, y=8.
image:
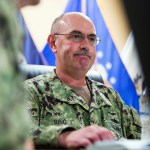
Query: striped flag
x=29, y=49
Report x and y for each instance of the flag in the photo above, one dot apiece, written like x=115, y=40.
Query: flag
x=129, y=50
x=48, y=55
x=108, y=57
x=29, y=49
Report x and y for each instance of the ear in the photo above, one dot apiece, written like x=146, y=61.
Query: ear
x=51, y=41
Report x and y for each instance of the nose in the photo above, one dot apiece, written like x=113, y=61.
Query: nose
x=84, y=46
x=85, y=42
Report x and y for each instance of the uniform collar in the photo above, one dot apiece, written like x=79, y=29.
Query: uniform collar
x=64, y=93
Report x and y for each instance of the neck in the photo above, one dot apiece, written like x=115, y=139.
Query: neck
x=71, y=80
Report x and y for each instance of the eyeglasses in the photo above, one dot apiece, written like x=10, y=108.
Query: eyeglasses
x=77, y=36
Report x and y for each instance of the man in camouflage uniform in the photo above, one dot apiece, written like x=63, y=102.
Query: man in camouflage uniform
x=14, y=118
x=69, y=110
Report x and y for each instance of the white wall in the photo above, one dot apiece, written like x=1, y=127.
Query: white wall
x=40, y=17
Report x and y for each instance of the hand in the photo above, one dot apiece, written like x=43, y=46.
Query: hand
x=84, y=137
x=29, y=145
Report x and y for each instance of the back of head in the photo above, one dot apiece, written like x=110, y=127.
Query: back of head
x=23, y=3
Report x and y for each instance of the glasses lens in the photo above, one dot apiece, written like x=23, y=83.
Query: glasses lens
x=77, y=37
x=92, y=39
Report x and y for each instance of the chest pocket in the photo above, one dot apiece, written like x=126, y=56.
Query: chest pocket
x=55, y=112
x=107, y=117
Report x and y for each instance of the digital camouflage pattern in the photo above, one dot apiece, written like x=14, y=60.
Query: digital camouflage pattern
x=54, y=107
x=14, y=124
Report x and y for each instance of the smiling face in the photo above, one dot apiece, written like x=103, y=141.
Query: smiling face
x=73, y=50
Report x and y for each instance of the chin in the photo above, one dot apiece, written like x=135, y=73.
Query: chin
x=84, y=68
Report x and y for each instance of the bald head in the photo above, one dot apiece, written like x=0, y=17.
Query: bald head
x=65, y=21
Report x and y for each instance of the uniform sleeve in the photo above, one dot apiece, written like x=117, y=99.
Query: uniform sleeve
x=44, y=136
x=136, y=124
x=130, y=120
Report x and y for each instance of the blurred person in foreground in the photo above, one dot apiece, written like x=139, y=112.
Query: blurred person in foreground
x=68, y=109
x=14, y=118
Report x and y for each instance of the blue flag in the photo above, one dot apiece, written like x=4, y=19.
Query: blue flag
x=29, y=49
x=49, y=55
x=107, y=54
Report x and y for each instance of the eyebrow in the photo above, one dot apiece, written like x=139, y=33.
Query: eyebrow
x=76, y=31
x=79, y=32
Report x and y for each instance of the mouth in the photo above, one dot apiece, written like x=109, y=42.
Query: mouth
x=83, y=55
